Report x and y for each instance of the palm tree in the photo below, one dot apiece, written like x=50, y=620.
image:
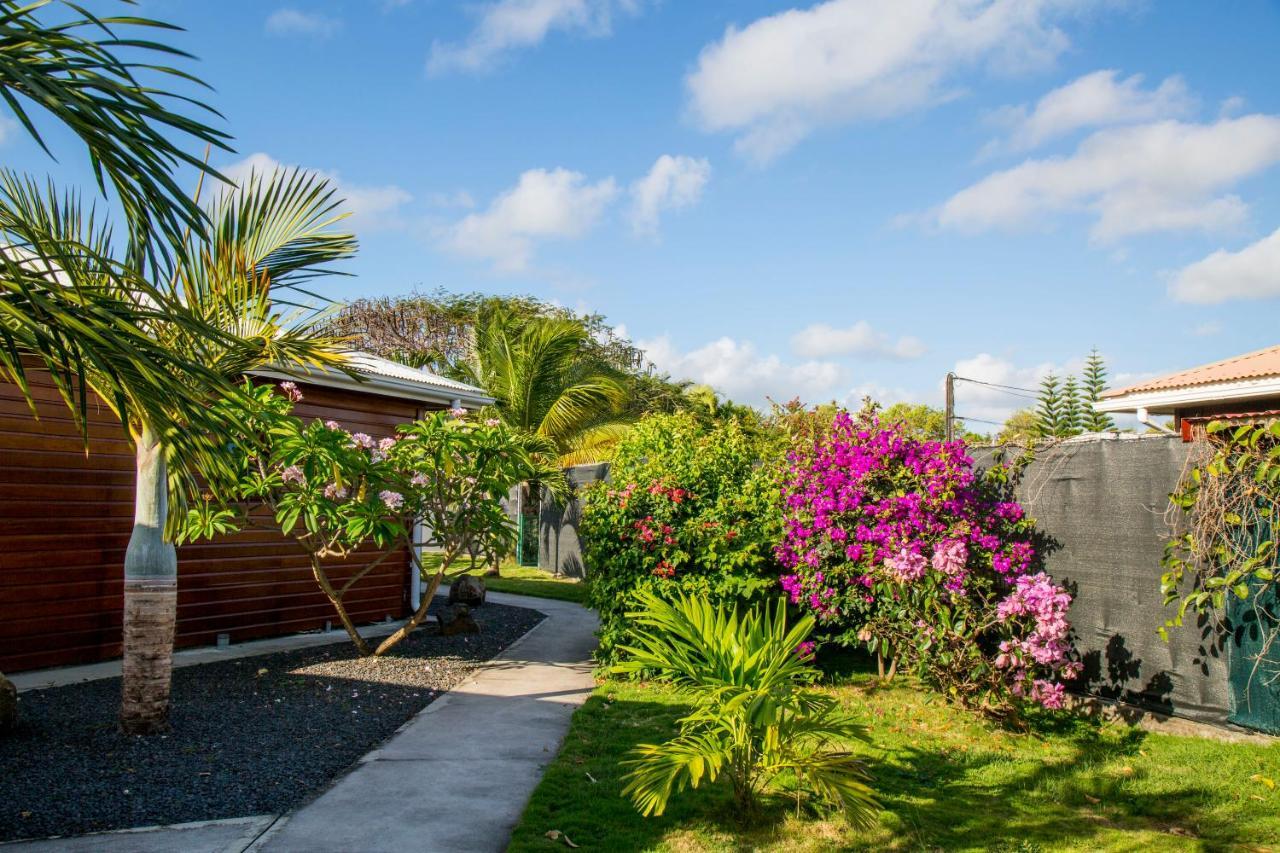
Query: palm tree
x=268, y=236
x=548, y=384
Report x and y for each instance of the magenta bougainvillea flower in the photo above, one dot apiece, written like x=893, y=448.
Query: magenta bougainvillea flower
x=899, y=544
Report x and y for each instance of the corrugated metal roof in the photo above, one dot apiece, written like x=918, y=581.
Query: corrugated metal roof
x=1255, y=365
x=373, y=365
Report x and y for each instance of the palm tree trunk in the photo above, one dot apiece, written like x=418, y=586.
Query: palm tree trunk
x=150, y=598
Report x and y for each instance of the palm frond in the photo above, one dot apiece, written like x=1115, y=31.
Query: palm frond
x=74, y=71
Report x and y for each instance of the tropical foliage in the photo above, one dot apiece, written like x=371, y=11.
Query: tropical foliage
x=1224, y=514
x=69, y=305
x=688, y=508
x=333, y=492
x=898, y=545
x=547, y=383
x=753, y=720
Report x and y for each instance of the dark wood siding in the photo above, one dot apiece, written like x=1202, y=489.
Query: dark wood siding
x=65, y=518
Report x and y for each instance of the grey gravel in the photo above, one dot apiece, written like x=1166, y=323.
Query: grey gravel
x=251, y=736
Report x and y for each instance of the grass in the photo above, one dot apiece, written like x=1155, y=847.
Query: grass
x=523, y=580
x=947, y=780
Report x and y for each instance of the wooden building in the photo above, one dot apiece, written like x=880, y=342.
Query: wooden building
x=65, y=519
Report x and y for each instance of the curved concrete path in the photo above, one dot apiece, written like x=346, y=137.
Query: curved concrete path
x=456, y=777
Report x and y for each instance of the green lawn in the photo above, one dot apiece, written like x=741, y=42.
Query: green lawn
x=948, y=781
x=522, y=580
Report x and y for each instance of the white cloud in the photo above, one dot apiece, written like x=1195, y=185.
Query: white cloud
x=776, y=80
x=820, y=340
x=1207, y=330
x=291, y=22
x=7, y=127
x=1162, y=176
x=542, y=205
x=1094, y=100
x=738, y=370
x=672, y=182
x=508, y=25
x=1251, y=273
x=371, y=208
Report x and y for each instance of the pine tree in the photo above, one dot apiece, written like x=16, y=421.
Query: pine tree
x=1070, y=421
x=1095, y=382
x=1049, y=407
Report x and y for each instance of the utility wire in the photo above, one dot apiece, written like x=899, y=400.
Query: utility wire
x=968, y=419
x=1010, y=389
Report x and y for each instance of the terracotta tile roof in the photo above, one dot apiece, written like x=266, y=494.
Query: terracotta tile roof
x=1254, y=365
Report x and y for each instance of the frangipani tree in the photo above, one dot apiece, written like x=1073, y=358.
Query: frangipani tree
x=333, y=493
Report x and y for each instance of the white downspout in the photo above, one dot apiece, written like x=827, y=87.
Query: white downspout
x=415, y=576
x=1144, y=418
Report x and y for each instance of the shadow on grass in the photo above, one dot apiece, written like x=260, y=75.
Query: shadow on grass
x=1080, y=793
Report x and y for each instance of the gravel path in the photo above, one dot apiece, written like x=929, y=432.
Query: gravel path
x=251, y=736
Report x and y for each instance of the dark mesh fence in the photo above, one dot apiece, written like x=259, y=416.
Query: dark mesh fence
x=1102, y=503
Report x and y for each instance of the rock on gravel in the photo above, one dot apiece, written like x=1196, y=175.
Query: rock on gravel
x=251, y=736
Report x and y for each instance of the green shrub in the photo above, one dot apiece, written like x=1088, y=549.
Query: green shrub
x=689, y=507
x=753, y=718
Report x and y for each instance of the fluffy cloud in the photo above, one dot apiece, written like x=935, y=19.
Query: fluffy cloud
x=821, y=340
x=542, y=205
x=1094, y=100
x=738, y=370
x=1161, y=176
x=1251, y=273
x=372, y=208
x=779, y=78
x=673, y=182
x=508, y=25
x=291, y=22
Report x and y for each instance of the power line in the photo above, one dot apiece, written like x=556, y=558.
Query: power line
x=968, y=419
x=1031, y=394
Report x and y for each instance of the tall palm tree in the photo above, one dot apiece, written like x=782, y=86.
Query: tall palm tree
x=264, y=241
x=233, y=277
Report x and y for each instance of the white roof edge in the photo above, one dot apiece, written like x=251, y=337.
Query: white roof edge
x=424, y=390
x=1165, y=400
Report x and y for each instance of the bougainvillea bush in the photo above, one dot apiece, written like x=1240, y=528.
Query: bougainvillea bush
x=689, y=507
x=899, y=545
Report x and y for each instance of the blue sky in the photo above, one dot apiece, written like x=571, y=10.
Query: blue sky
x=791, y=198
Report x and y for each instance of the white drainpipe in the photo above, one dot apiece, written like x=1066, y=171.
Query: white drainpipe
x=1144, y=418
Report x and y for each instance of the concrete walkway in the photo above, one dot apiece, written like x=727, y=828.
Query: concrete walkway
x=456, y=777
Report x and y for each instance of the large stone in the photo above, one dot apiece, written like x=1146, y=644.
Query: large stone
x=456, y=619
x=8, y=705
x=468, y=590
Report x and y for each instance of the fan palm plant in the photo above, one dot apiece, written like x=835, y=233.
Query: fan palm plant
x=753, y=718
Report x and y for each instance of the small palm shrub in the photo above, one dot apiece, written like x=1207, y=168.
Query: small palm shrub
x=753, y=717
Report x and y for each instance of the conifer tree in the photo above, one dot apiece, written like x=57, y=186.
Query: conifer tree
x=1072, y=409
x=1049, y=407
x=1095, y=382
